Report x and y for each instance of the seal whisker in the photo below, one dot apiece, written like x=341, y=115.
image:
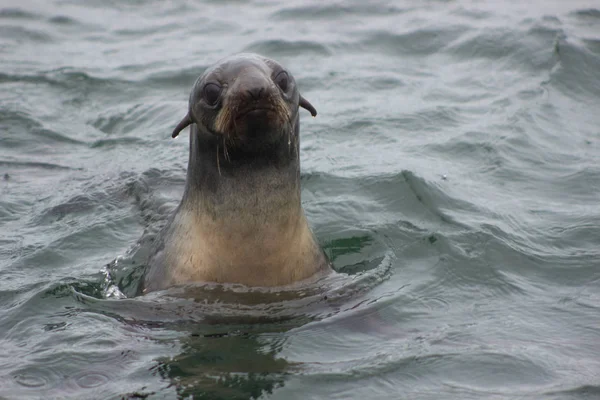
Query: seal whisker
x=289, y=130
x=225, y=152
x=289, y=135
x=233, y=120
x=218, y=165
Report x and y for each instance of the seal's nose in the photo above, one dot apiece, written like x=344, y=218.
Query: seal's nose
x=253, y=84
x=256, y=92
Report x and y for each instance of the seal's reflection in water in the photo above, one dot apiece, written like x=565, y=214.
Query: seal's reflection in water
x=223, y=339
x=236, y=357
x=229, y=367
x=228, y=360
x=240, y=356
x=228, y=339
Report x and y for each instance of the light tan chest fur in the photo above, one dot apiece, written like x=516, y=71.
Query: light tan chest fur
x=249, y=249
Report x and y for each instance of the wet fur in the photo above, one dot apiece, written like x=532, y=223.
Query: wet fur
x=240, y=219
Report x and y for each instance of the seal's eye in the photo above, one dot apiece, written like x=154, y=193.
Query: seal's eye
x=211, y=93
x=282, y=80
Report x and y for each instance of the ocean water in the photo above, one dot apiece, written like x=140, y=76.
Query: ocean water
x=452, y=175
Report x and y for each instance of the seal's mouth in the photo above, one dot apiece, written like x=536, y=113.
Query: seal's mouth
x=256, y=112
x=253, y=122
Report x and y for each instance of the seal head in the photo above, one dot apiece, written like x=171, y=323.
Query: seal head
x=240, y=219
x=244, y=96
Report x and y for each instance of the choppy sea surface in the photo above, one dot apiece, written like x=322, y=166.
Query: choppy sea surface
x=452, y=176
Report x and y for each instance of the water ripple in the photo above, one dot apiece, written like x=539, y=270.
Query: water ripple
x=22, y=35
x=415, y=43
x=332, y=12
x=20, y=125
x=30, y=164
x=16, y=13
x=281, y=48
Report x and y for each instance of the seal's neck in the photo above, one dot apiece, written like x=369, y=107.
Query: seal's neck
x=225, y=182
x=240, y=219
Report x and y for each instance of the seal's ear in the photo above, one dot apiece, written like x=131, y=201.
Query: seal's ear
x=307, y=106
x=184, y=122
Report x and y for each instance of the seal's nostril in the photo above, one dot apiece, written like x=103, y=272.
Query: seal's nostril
x=256, y=93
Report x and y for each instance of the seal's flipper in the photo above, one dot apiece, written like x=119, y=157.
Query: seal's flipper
x=180, y=126
x=307, y=106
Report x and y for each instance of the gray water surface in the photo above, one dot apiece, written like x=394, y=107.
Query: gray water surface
x=452, y=175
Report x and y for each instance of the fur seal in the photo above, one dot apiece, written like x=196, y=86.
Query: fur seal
x=240, y=219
